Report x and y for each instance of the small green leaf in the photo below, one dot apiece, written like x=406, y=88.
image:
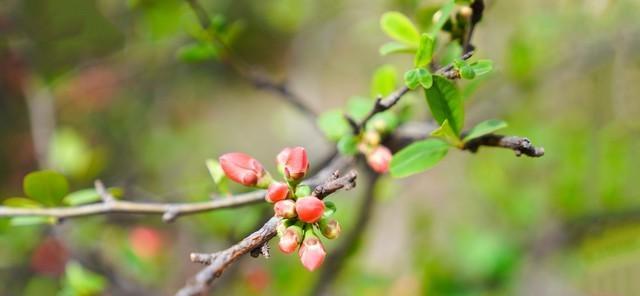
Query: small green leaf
x=418, y=157
x=467, y=72
x=481, y=67
x=411, y=78
x=83, y=281
x=47, y=187
x=88, y=195
x=445, y=103
x=425, y=51
x=197, y=52
x=395, y=47
x=21, y=202
x=303, y=190
x=446, y=133
x=31, y=220
x=333, y=124
x=329, y=209
x=384, y=81
x=359, y=107
x=81, y=197
x=484, y=128
x=399, y=27
x=348, y=145
x=444, y=13
x=215, y=170
x=425, y=78
x=450, y=53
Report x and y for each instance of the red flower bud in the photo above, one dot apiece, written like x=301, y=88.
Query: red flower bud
x=309, y=209
x=379, y=159
x=311, y=252
x=293, y=162
x=330, y=229
x=277, y=191
x=285, y=208
x=145, y=242
x=242, y=168
x=291, y=239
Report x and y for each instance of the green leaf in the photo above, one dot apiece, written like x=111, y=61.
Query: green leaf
x=400, y=28
x=481, y=67
x=359, y=107
x=47, y=187
x=333, y=124
x=467, y=72
x=444, y=13
x=384, y=81
x=329, y=209
x=82, y=281
x=31, y=220
x=446, y=133
x=21, y=202
x=425, y=78
x=452, y=51
x=215, y=170
x=484, y=128
x=88, y=195
x=395, y=47
x=303, y=190
x=69, y=153
x=418, y=157
x=445, y=103
x=348, y=145
x=411, y=79
x=197, y=52
x=81, y=197
x=425, y=51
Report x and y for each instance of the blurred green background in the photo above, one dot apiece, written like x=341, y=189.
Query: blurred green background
x=96, y=89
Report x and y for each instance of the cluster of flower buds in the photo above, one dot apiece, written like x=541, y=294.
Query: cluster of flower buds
x=303, y=215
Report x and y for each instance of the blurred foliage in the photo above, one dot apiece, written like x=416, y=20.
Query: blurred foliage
x=127, y=109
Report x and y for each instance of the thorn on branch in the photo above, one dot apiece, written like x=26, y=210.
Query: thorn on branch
x=104, y=194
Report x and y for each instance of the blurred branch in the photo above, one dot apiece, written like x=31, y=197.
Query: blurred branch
x=219, y=261
x=336, y=261
x=257, y=78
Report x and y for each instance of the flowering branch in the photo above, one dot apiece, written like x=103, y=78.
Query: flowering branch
x=219, y=261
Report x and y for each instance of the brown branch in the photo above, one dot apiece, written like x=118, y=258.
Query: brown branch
x=334, y=263
x=258, y=79
x=519, y=145
x=219, y=261
x=169, y=211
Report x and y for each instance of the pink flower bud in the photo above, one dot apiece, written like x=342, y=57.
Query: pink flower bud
x=330, y=229
x=291, y=239
x=293, y=162
x=379, y=159
x=277, y=191
x=311, y=252
x=242, y=168
x=309, y=209
x=285, y=208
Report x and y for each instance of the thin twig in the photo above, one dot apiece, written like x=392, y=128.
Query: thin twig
x=169, y=211
x=219, y=261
